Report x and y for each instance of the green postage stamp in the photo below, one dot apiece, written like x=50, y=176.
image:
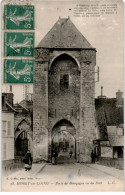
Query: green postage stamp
x=18, y=71
x=19, y=17
x=19, y=44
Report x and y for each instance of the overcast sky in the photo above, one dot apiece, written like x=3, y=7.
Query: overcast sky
x=104, y=33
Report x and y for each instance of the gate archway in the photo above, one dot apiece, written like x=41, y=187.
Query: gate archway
x=64, y=141
x=23, y=139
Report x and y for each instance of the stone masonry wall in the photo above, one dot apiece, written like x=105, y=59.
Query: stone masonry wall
x=87, y=108
x=40, y=112
x=77, y=107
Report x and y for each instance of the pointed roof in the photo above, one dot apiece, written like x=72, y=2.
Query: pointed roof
x=64, y=34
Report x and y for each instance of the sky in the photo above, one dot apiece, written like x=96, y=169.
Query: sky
x=105, y=33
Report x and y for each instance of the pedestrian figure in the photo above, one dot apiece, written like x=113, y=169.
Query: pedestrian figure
x=79, y=172
x=54, y=157
x=93, y=157
x=28, y=161
x=70, y=154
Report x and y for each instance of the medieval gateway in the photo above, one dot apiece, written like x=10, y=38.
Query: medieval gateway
x=64, y=95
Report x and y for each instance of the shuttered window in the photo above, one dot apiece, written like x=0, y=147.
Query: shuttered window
x=3, y=128
x=8, y=128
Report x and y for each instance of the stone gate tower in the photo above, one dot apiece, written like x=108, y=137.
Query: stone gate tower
x=64, y=89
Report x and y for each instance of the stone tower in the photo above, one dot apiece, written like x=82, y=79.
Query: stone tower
x=64, y=89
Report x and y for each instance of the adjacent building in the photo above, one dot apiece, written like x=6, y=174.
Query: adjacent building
x=7, y=127
x=110, y=124
x=17, y=131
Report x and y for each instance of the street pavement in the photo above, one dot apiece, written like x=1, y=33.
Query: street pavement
x=67, y=177
x=36, y=168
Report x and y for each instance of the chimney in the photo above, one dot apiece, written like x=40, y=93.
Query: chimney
x=3, y=101
x=9, y=98
x=10, y=89
x=119, y=99
x=101, y=91
x=101, y=96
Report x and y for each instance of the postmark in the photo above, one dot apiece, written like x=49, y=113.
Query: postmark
x=19, y=44
x=18, y=71
x=19, y=17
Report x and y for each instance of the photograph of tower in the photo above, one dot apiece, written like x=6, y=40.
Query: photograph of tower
x=63, y=109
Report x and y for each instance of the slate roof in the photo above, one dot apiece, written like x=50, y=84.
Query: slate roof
x=28, y=104
x=64, y=34
x=107, y=114
x=23, y=107
x=20, y=109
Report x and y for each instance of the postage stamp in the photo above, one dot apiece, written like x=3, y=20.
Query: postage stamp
x=19, y=44
x=19, y=17
x=18, y=71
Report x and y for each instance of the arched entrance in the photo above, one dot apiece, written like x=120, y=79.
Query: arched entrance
x=23, y=139
x=64, y=141
x=22, y=144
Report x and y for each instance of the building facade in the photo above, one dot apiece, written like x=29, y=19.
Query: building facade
x=64, y=90
x=17, y=127
x=7, y=130
x=110, y=124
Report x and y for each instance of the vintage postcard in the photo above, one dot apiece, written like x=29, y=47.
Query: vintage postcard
x=62, y=95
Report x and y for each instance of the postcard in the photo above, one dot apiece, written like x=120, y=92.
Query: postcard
x=62, y=95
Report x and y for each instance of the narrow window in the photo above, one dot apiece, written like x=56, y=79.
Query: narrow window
x=3, y=128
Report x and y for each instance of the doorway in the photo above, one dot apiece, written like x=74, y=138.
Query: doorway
x=63, y=142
